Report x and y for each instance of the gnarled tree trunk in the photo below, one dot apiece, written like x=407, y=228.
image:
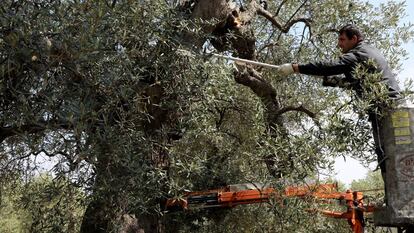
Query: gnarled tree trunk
x=232, y=33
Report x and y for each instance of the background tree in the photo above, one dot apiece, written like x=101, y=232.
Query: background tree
x=42, y=205
x=100, y=89
x=373, y=188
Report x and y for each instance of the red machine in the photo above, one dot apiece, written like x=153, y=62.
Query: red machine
x=240, y=194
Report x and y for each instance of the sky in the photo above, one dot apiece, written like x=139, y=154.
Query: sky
x=408, y=66
x=350, y=169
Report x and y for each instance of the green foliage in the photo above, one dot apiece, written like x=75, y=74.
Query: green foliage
x=11, y=216
x=41, y=205
x=373, y=181
x=373, y=188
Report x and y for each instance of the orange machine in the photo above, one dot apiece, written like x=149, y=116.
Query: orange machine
x=233, y=195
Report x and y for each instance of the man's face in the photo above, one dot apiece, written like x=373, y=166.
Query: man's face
x=345, y=43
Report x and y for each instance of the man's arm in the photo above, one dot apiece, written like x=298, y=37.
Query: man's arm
x=344, y=64
x=332, y=81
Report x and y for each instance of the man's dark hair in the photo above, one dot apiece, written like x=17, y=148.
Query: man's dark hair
x=351, y=30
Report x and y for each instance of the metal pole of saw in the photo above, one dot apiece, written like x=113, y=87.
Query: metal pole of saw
x=246, y=61
x=236, y=59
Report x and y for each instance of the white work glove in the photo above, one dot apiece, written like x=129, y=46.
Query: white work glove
x=286, y=69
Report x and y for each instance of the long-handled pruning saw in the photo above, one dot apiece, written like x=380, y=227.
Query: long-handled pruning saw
x=236, y=59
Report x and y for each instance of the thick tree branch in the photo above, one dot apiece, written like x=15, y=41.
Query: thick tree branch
x=265, y=91
x=251, y=78
x=212, y=9
x=38, y=127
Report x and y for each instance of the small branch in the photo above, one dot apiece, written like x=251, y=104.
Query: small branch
x=236, y=137
x=275, y=21
x=297, y=10
x=221, y=113
x=301, y=39
x=267, y=46
x=299, y=109
x=280, y=7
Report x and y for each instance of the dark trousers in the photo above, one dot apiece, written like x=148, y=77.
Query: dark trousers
x=377, y=123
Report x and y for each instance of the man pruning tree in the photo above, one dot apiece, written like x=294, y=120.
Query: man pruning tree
x=356, y=53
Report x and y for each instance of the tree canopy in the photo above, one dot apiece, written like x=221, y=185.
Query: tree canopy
x=97, y=95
